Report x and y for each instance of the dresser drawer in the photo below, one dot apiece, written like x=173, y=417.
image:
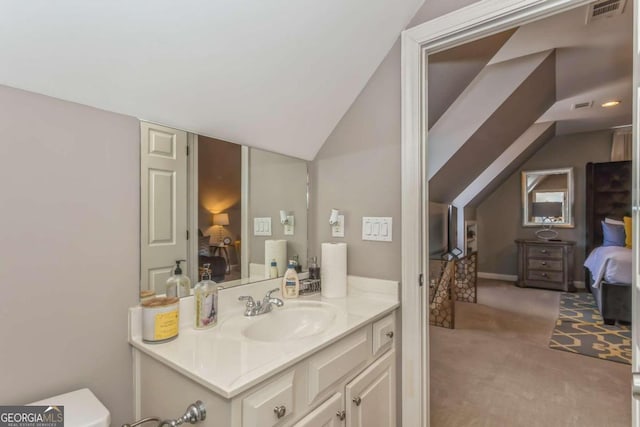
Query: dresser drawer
x=545, y=276
x=544, y=264
x=548, y=252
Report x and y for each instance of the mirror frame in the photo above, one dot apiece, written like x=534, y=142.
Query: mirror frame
x=570, y=222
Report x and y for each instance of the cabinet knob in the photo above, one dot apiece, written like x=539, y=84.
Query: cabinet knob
x=545, y=275
x=389, y=334
x=357, y=400
x=341, y=415
x=544, y=251
x=543, y=263
x=280, y=411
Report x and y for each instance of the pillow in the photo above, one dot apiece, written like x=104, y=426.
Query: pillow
x=614, y=221
x=628, y=227
x=203, y=246
x=612, y=235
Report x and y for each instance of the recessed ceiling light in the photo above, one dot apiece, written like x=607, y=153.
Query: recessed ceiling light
x=610, y=104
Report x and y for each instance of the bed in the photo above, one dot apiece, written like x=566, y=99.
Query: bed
x=608, y=274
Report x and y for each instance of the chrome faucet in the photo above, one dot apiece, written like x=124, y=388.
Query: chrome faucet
x=253, y=308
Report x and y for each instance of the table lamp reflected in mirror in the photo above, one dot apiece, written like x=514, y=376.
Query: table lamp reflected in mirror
x=219, y=221
x=548, y=212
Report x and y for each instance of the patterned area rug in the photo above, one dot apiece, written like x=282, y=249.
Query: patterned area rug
x=580, y=329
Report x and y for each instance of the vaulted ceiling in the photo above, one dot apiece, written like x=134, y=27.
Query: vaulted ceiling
x=273, y=74
x=504, y=105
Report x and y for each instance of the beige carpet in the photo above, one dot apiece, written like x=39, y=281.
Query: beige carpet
x=496, y=369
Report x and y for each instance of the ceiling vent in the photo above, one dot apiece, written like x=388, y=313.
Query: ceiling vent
x=582, y=105
x=605, y=9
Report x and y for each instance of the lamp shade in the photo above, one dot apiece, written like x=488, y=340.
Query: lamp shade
x=546, y=209
x=221, y=219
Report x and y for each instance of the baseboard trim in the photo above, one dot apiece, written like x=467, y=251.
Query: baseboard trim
x=496, y=276
x=579, y=284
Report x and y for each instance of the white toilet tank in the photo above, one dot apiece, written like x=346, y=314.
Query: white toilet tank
x=81, y=409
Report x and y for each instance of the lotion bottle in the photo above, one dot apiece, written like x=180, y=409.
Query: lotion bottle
x=290, y=282
x=273, y=269
x=206, y=300
x=178, y=285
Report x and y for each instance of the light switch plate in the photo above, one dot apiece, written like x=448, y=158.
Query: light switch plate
x=337, y=230
x=378, y=229
x=289, y=228
x=262, y=226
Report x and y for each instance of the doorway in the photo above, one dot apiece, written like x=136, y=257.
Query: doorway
x=471, y=23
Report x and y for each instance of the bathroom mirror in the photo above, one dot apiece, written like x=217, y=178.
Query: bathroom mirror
x=223, y=204
x=547, y=198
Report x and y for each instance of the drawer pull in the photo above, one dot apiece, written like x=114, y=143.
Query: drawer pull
x=280, y=411
x=341, y=415
x=543, y=263
x=543, y=251
x=389, y=334
x=545, y=275
x=357, y=400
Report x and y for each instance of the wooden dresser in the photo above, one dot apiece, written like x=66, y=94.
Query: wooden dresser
x=546, y=264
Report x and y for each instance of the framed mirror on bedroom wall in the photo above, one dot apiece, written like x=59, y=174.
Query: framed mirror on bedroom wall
x=547, y=198
x=208, y=201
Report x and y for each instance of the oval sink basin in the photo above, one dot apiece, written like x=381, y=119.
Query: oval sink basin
x=291, y=323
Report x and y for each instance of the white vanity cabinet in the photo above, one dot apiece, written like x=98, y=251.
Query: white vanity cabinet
x=350, y=381
x=371, y=396
x=330, y=414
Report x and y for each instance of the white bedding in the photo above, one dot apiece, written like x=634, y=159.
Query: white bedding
x=609, y=264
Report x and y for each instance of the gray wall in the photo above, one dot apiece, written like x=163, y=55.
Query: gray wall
x=358, y=168
x=69, y=257
x=278, y=182
x=499, y=215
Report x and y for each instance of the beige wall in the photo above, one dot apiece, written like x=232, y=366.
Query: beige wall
x=69, y=257
x=358, y=168
x=499, y=215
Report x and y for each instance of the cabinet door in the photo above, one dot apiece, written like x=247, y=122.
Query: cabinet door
x=326, y=415
x=371, y=396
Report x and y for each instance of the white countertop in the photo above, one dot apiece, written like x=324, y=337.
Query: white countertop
x=227, y=363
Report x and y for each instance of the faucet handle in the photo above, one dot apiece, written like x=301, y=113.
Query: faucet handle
x=249, y=299
x=270, y=292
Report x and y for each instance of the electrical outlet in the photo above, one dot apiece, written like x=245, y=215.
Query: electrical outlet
x=337, y=230
x=288, y=228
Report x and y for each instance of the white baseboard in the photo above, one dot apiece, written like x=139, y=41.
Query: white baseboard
x=579, y=284
x=496, y=276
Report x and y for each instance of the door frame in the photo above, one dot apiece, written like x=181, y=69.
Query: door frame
x=475, y=21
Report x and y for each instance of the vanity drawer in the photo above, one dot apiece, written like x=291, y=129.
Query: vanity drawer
x=271, y=405
x=547, y=276
x=540, y=251
x=383, y=334
x=334, y=363
x=544, y=264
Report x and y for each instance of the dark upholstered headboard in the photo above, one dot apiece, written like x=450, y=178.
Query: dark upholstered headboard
x=608, y=195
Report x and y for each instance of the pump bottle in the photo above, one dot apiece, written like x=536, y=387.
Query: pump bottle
x=178, y=285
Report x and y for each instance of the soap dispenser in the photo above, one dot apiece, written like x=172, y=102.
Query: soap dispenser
x=206, y=300
x=178, y=285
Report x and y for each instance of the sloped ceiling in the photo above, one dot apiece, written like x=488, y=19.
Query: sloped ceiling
x=276, y=74
x=594, y=64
